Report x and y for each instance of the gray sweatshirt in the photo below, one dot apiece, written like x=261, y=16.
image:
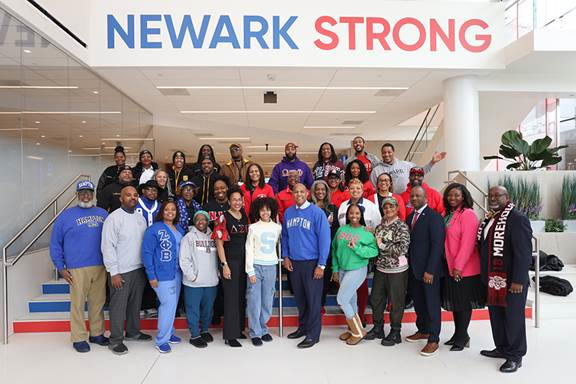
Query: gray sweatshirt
x=198, y=259
x=400, y=172
x=122, y=236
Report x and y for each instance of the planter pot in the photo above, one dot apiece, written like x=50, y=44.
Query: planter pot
x=570, y=225
x=537, y=225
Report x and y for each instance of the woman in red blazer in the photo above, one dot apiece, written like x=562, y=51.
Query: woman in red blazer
x=462, y=289
x=254, y=187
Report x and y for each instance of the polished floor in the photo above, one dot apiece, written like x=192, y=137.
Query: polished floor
x=49, y=358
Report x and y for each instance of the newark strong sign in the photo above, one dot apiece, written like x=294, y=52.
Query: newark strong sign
x=296, y=33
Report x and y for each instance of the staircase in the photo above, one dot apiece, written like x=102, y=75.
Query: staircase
x=50, y=312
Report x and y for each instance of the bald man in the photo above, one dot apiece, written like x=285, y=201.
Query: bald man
x=122, y=236
x=305, y=249
x=505, y=243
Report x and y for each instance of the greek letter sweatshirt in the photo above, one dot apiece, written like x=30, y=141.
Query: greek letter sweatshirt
x=76, y=238
x=345, y=258
x=160, y=249
x=261, y=245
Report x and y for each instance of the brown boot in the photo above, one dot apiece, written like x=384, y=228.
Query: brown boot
x=346, y=335
x=356, y=330
x=430, y=349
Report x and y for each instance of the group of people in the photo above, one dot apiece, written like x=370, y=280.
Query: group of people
x=215, y=230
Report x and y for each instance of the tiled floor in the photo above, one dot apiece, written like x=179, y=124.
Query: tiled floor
x=49, y=358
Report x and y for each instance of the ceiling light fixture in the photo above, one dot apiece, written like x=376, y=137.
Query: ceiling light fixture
x=83, y=121
x=264, y=146
x=43, y=136
x=80, y=136
x=34, y=157
x=268, y=87
x=95, y=92
x=328, y=127
x=128, y=139
x=27, y=51
x=36, y=122
x=18, y=129
x=37, y=143
x=61, y=113
x=225, y=138
x=276, y=112
x=38, y=87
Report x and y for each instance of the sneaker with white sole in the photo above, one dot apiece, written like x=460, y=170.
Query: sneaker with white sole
x=164, y=348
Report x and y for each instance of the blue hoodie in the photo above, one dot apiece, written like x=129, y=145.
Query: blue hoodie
x=160, y=251
x=306, y=234
x=279, y=178
x=76, y=238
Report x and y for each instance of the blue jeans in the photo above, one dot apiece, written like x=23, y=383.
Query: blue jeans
x=168, y=293
x=199, y=302
x=350, y=281
x=259, y=299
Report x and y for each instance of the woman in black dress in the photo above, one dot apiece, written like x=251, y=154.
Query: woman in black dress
x=230, y=234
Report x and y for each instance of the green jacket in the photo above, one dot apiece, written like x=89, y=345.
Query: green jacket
x=345, y=258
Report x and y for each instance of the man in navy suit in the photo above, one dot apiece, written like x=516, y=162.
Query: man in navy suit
x=425, y=259
x=505, y=243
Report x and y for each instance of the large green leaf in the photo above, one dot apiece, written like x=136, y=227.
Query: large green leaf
x=492, y=158
x=514, y=166
x=540, y=145
x=509, y=152
x=514, y=139
x=556, y=149
x=551, y=160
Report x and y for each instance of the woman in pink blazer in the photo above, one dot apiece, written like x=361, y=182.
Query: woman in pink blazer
x=462, y=289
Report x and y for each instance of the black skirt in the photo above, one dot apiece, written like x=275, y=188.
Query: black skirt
x=464, y=295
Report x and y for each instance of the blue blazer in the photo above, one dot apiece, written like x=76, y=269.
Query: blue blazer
x=426, y=249
x=160, y=252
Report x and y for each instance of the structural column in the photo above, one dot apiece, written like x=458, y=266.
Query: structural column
x=461, y=124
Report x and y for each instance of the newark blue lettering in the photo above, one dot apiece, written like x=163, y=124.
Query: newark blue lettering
x=277, y=32
x=126, y=36
x=224, y=22
x=145, y=31
x=258, y=34
x=187, y=27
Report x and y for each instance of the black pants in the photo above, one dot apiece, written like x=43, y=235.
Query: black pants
x=125, y=305
x=509, y=325
x=327, y=283
x=388, y=286
x=234, y=300
x=427, y=304
x=461, y=323
x=218, y=311
x=308, y=295
x=149, y=299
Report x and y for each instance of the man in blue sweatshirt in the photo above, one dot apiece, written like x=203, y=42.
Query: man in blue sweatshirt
x=279, y=178
x=75, y=252
x=305, y=249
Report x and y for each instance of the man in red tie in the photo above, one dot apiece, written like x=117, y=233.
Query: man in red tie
x=427, y=233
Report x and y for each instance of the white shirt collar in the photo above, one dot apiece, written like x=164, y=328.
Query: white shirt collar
x=421, y=209
x=303, y=206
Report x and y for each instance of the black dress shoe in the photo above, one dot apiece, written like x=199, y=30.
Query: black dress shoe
x=198, y=342
x=257, y=342
x=242, y=336
x=450, y=341
x=375, y=333
x=510, y=366
x=306, y=343
x=267, y=338
x=233, y=343
x=392, y=339
x=207, y=337
x=495, y=354
x=459, y=346
x=297, y=334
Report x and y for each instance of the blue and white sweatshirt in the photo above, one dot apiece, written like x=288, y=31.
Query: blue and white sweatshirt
x=148, y=209
x=305, y=234
x=76, y=238
x=160, y=250
x=261, y=245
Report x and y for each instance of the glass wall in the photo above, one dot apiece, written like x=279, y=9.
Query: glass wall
x=57, y=120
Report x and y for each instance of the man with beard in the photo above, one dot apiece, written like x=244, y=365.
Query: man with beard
x=285, y=198
x=109, y=199
x=399, y=169
x=435, y=200
x=369, y=160
x=205, y=182
x=279, y=179
x=122, y=237
x=505, y=243
x=235, y=168
x=75, y=252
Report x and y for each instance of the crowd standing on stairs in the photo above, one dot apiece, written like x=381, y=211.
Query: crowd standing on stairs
x=214, y=232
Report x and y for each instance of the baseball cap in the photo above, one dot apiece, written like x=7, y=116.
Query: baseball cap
x=84, y=184
x=417, y=171
x=234, y=145
x=187, y=183
x=389, y=200
x=124, y=168
x=335, y=173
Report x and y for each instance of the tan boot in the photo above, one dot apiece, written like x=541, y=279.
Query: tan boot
x=356, y=330
x=346, y=335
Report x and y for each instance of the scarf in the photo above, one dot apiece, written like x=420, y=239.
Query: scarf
x=183, y=211
x=497, y=277
x=148, y=213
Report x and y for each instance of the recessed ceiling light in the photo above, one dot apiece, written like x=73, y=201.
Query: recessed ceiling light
x=103, y=143
x=36, y=122
x=225, y=138
x=35, y=157
x=43, y=136
x=327, y=127
x=273, y=87
x=69, y=151
x=83, y=121
x=27, y=51
x=38, y=87
x=95, y=92
x=117, y=135
x=37, y=143
x=80, y=136
x=276, y=112
x=129, y=139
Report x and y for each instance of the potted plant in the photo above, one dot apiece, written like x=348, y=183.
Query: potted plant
x=525, y=195
x=526, y=157
x=554, y=225
x=569, y=202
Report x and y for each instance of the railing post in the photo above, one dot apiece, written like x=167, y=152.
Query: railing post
x=280, y=293
x=5, y=324
x=536, y=252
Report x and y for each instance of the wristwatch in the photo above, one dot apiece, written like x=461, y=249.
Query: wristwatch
x=223, y=263
x=322, y=267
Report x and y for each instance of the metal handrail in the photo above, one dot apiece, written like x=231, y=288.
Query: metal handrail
x=535, y=248
x=416, y=142
x=13, y=260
